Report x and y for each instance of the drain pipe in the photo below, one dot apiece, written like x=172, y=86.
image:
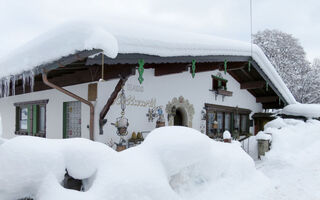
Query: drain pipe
x=91, y=126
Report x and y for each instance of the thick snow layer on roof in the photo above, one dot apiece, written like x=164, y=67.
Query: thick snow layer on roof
x=306, y=110
x=123, y=37
x=62, y=41
x=173, y=163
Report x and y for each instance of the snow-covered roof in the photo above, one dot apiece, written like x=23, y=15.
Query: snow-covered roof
x=306, y=110
x=114, y=38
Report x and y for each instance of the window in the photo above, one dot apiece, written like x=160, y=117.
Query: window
x=219, y=86
x=31, y=118
x=219, y=83
x=233, y=119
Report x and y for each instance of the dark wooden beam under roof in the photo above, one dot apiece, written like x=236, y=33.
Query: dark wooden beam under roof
x=252, y=85
x=267, y=99
x=132, y=58
x=271, y=85
x=74, y=69
x=272, y=105
x=232, y=66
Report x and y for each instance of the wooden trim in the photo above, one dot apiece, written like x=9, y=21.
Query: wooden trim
x=268, y=99
x=226, y=108
x=25, y=103
x=253, y=85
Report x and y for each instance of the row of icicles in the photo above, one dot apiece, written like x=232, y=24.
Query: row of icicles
x=9, y=83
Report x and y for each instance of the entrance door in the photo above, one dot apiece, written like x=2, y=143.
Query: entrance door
x=72, y=119
x=178, y=118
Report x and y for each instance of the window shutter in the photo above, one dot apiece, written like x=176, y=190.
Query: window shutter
x=64, y=118
x=232, y=122
x=17, y=118
x=248, y=124
x=29, y=120
x=35, y=117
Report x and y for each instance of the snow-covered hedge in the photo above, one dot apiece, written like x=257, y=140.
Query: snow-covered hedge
x=172, y=163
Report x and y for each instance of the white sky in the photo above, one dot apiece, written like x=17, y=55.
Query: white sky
x=21, y=20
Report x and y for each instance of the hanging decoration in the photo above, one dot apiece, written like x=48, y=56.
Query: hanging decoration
x=193, y=67
x=249, y=65
x=141, y=70
x=267, y=86
x=156, y=112
x=225, y=66
x=122, y=122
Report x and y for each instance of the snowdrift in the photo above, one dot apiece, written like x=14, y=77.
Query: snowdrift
x=172, y=163
x=293, y=164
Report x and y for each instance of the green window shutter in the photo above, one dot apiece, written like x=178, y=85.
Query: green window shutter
x=232, y=123
x=17, y=118
x=29, y=120
x=64, y=118
x=35, y=117
x=248, y=124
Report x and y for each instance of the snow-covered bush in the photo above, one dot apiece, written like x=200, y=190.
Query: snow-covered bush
x=172, y=163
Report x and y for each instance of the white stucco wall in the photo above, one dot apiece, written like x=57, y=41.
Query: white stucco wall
x=54, y=115
x=159, y=89
x=163, y=89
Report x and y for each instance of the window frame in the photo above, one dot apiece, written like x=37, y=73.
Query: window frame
x=233, y=111
x=33, y=121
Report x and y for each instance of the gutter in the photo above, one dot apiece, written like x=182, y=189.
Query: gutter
x=91, y=126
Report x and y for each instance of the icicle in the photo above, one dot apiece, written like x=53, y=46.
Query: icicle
x=31, y=79
x=13, y=85
x=1, y=94
x=7, y=86
x=24, y=81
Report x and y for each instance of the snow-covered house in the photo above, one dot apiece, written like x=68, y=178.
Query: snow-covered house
x=50, y=87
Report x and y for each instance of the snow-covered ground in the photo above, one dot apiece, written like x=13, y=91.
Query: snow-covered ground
x=173, y=163
x=293, y=164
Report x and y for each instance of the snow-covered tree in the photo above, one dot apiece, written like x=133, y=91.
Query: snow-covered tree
x=289, y=58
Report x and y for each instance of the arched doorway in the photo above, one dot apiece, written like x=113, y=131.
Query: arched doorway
x=180, y=112
x=178, y=118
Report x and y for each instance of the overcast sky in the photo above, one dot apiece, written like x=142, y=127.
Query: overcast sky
x=21, y=20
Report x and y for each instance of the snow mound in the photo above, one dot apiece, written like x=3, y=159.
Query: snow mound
x=263, y=136
x=306, y=110
x=293, y=163
x=173, y=163
x=226, y=135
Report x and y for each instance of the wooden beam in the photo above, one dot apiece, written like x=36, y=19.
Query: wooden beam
x=252, y=85
x=110, y=101
x=204, y=67
x=272, y=105
x=267, y=99
x=165, y=69
x=233, y=66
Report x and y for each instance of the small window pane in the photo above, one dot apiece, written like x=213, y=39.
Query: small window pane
x=24, y=118
x=42, y=115
x=220, y=121
x=211, y=117
x=227, y=118
x=236, y=122
x=243, y=123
